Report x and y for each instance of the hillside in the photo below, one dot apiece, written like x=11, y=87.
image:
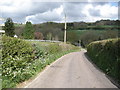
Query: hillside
x=76, y=31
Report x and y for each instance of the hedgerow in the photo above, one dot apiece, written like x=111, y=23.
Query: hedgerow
x=18, y=58
x=22, y=59
x=106, y=55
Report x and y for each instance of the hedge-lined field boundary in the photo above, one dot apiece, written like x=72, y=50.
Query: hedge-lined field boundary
x=106, y=55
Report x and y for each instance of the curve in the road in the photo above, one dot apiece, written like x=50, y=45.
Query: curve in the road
x=71, y=71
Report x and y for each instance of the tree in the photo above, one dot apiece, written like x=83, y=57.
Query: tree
x=89, y=37
x=111, y=34
x=56, y=38
x=49, y=36
x=72, y=37
x=28, y=32
x=9, y=27
x=38, y=35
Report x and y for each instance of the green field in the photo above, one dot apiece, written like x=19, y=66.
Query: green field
x=80, y=32
x=87, y=36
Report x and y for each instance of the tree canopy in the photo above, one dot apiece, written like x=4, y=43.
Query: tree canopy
x=28, y=32
x=9, y=27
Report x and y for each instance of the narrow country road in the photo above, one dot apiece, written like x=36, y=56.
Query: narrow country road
x=71, y=71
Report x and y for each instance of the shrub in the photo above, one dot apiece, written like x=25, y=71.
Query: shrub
x=22, y=60
x=16, y=55
x=54, y=48
x=106, y=55
x=16, y=47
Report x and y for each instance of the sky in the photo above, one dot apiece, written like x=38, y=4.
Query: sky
x=38, y=12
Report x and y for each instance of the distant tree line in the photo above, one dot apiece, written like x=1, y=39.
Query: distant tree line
x=27, y=33
x=84, y=37
x=76, y=31
x=98, y=25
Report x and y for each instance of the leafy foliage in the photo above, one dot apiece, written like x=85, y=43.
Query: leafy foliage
x=76, y=31
x=106, y=55
x=23, y=59
x=38, y=35
x=72, y=37
x=16, y=55
x=49, y=36
x=53, y=48
x=88, y=36
x=15, y=47
x=9, y=27
x=28, y=32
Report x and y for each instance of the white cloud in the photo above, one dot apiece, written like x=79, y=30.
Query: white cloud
x=54, y=15
x=59, y=10
x=13, y=6
x=108, y=11
x=86, y=9
x=105, y=11
x=24, y=10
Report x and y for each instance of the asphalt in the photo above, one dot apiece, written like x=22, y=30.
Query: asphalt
x=73, y=70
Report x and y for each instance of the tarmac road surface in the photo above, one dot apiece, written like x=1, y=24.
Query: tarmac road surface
x=73, y=70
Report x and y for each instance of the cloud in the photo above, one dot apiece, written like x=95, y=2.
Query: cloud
x=74, y=11
x=54, y=15
x=18, y=10
x=37, y=12
x=108, y=11
x=100, y=11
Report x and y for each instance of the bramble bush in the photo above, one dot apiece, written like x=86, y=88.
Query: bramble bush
x=106, y=55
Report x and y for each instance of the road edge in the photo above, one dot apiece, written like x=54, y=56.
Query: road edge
x=44, y=70
x=110, y=78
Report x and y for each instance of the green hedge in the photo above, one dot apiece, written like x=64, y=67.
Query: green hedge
x=22, y=60
x=106, y=55
x=15, y=47
x=16, y=56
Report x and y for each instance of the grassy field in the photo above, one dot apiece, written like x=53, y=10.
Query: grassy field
x=88, y=36
x=81, y=32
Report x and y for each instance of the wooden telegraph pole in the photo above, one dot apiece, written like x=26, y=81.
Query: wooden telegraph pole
x=65, y=30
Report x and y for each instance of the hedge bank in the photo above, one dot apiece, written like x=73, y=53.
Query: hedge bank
x=106, y=55
x=22, y=59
